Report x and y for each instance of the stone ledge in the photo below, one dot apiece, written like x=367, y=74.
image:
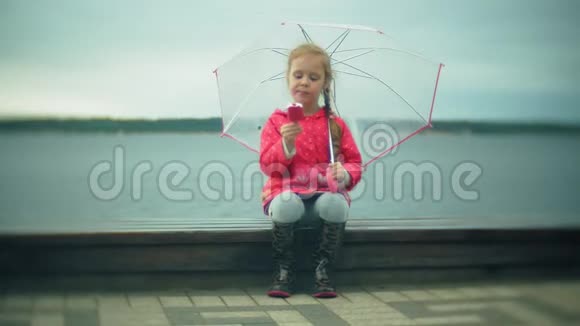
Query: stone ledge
x=366, y=247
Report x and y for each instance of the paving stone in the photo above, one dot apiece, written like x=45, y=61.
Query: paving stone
x=363, y=298
x=15, y=319
x=238, y=301
x=420, y=309
x=359, y=307
x=526, y=315
x=504, y=291
x=463, y=306
x=561, y=301
x=335, y=321
x=338, y=301
x=320, y=315
x=77, y=301
x=302, y=299
x=48, y=319
x=81, y=318
x=493, y=316
x=133, y=318
x=540, y=303
x=260, y=297
x=170, y=292
x=257, y=308
x=448, y=294
x=145, y=302
x=450, y=320
x=234, y=314
x=183, y=316
x=211, y=293
x=175, y=301
x=287, y=317
x=207, y=301
x=564, y=291
x=411, y=309
x=530, y=290
x=48, y=302
x=396, y=322
x=204, y=309
x=390, y=322
x=231, y=317
x=314, y=310
x=476, y=292
x=351, y=289
x=264, y=300
x=390, y=296
x=367, y=310
x=18, y=302
x=419, y=295
x=114, y=301
x=555, y=306
x=357, y=316
x=573, y=285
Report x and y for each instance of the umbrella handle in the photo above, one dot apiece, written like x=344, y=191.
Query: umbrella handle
x=331, y=148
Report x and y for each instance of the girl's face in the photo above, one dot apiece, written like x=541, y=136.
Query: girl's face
x=306, y=80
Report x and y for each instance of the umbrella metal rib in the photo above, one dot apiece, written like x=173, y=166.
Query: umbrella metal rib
x=390, y=49
x=386, y=85
x=350, y=73
x=306, y=36
x=239, y=109
x=339, y=44
x=338, y=38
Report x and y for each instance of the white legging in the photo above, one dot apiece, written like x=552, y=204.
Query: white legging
x=288, y=207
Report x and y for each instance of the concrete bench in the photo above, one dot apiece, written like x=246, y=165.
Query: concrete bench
x=169, y=245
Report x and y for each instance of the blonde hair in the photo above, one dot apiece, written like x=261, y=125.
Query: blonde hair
x=309, y=48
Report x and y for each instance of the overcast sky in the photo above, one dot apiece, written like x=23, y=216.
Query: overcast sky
x=516, y=59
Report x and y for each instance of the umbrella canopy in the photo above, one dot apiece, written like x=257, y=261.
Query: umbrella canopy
x=385, y=93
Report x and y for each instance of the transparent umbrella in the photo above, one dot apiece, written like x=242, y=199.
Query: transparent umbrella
x=384, y=92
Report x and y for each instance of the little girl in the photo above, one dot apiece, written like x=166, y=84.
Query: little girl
x=295, y=156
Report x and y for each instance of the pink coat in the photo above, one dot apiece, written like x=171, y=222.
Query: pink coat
x=305, y=172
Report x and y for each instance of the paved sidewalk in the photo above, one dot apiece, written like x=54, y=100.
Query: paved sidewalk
x=505, y=303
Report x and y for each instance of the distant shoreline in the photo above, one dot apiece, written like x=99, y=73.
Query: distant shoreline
x=210, y=125
x=214, y=125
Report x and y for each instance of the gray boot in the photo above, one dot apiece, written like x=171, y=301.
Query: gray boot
x=283, y=257
x=331, y=237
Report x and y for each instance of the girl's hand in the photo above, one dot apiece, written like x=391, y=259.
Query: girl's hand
x=338, y=172
x=289, y=132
